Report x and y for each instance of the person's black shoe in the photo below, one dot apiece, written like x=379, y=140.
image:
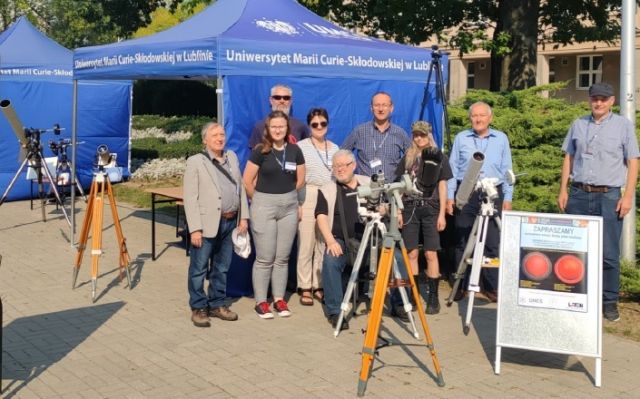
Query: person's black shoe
x=333, y=319
x=610, y=311
x=398, y=312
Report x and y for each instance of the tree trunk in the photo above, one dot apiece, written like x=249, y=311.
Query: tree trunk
x=517, y=70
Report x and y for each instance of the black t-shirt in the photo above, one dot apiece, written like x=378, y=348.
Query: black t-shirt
x=274, y=175
x=355, y=228
x=445, y=174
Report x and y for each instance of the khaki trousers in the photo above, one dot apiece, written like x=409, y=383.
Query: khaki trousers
x=310, y=249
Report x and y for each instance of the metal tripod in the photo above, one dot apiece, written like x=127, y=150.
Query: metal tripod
x=64, y=167
x=34, y=160
x=374, y=229
x=440, y=92
x=93, y=221
x=475, y=245
x=391, y=240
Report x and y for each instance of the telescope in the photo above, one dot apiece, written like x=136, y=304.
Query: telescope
x=103, y=156
x=29, y=138
x=429, y=171
x=394, y=190
x=468, y=184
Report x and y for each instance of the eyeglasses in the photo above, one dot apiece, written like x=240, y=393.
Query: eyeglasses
x=278, y=98
x=315, y=125
x=337, y=166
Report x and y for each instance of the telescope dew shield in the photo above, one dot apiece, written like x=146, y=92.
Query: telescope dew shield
x=16, y=125
x=468, y=184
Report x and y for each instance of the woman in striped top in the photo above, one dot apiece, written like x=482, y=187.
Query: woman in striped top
x=318, y=152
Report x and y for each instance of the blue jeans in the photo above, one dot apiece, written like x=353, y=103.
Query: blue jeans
x=211, y=261
x=333, y=282
x=603, y=204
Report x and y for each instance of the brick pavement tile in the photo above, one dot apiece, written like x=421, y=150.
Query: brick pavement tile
x=165, y=356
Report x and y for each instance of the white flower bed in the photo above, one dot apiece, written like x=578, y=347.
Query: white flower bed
x=156, y=169
x=137, y=134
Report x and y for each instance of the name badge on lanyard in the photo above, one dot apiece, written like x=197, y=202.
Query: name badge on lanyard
x=290, y=166
x=375, y=162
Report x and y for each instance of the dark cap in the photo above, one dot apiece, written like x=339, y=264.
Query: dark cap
x=601, y=89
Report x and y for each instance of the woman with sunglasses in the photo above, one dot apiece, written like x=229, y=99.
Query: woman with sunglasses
x=273, y=175
x=424, y=215
x=318, y=152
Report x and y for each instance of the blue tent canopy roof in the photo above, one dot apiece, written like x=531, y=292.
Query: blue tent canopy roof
x=29, y=54
x=251, y=38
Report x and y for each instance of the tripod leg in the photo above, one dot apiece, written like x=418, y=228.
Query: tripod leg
x=406, y=305
x=462, y=266
x=349, y=291
x=376, y=239
x=96, y=235
x=84, y=233
x=13, y=181
x=122, y=242
x=79, y=185
x=423, y=318
x=41, y=195
x=476, y=268
x=55, y=191
x=373, y=324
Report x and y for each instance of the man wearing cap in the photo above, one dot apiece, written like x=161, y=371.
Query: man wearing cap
x=215, y=202
x=601, y=157
x=494, y=144
x=281, y=99
x=378, y=144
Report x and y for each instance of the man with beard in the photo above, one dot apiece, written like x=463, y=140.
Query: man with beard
x=281, y=99
x=329, y=221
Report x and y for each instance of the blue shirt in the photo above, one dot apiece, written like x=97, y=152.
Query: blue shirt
x=370, y=143
x=497, y=159
x=599, y=151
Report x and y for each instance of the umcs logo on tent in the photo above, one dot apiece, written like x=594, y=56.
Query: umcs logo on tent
x=278, y=26
x=287, y=28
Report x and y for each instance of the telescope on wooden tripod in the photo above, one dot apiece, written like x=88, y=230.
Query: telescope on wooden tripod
x=391, y=240
x=31, y=155
x=93, y=222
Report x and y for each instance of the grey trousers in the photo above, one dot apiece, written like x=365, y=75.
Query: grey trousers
x=274, y=221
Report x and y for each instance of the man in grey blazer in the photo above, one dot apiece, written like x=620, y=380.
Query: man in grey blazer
x=215, y=202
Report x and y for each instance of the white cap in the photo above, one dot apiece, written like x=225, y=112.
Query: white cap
x=241, y=243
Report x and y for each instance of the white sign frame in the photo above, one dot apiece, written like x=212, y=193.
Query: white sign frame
x=547, y=324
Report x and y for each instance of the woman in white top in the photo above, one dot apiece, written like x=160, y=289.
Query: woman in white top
x=318, y=152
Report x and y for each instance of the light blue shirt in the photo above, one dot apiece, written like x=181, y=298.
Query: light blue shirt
x=600, y=151
x=497, y=159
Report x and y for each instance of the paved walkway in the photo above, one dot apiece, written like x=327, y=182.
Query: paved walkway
x=140, y=343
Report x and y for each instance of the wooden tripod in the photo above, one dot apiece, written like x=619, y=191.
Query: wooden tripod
x=391, y=239
x=93, y=221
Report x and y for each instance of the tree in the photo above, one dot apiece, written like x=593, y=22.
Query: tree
x=518, y=27
x=75, y=23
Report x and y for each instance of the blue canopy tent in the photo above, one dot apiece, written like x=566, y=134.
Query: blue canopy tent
x=250, y=45
x=36, y=76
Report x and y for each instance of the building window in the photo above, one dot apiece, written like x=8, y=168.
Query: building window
x=589, y=71
x=471, y=75
x=552, y=69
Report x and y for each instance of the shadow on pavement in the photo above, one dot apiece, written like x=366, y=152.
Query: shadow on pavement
x=32, y=344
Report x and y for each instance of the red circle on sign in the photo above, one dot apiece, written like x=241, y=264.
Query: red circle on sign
x=569, y=269
x=536, y=266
